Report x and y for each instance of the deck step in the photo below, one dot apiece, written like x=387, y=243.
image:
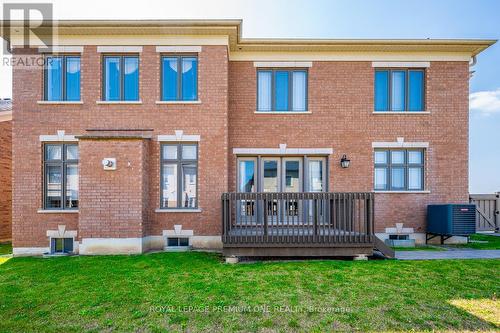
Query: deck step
x=383, y=248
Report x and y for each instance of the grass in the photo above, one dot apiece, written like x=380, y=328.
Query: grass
x=485, y=242
x=419, y=248
x=196, y=292
x=5, y=248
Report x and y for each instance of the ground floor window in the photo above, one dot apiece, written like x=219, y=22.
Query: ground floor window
x=179, y=173
x=399, y=169
x=282, y=174
x=61, y=176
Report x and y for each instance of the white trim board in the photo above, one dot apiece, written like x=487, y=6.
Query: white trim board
x=60, y=49
x=282, y=64
x=400, y=143
x=402, y=64
x=119, y=49
x=178, y=49
x=179, y=136
x=59, y=137
x=282, y=150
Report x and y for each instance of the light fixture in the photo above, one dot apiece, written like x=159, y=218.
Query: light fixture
x=344, y=161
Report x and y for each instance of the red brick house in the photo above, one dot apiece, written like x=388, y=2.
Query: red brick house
x=140, y=135
x=5, y=170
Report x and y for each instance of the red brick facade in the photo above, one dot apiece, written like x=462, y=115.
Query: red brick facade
x=123, y=203
x=5, y=180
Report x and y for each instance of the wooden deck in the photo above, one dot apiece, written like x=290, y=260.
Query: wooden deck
x=298, y=224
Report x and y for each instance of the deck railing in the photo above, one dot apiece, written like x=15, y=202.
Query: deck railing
x=297, y=219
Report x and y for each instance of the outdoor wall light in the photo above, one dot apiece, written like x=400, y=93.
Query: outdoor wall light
x=344, y=161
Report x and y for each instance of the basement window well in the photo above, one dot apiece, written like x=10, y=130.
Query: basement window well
x=61, y=245
x=177, y=242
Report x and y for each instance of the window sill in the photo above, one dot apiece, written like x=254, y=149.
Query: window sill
x=402, y=192
x=282, y=112
x=177, y=210
x=401, y=112
x=179, y=102
x=59, y=102
x=118, y=102
x=57, y=211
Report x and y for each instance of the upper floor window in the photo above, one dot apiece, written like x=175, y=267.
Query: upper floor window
x=61, y=176
x=399, y=169
x=282, y=90
x=179, y=173
x=179, y=78
x=62, y=78
x=399, y=89
x=121, y=78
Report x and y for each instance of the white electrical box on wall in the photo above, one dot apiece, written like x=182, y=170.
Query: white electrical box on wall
x=109, y=163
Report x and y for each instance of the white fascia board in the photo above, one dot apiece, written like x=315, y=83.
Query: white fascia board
x=178, y=49
x=119, y=49
x=402, y=64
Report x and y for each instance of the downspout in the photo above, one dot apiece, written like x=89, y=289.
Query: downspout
x=472, y=63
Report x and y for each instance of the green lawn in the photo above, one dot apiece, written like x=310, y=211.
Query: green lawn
x=196, y=292
x=419, y=248
x=492, y=242
x=5, y=248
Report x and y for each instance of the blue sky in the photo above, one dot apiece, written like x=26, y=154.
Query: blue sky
x=347, y=19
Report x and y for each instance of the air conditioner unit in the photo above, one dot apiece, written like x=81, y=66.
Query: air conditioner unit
x=451, y=220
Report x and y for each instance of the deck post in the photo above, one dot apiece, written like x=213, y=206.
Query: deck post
x=265, y=217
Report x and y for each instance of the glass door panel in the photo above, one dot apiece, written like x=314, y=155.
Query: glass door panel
x=292, y=182
x=247, y=174
x=271, y=183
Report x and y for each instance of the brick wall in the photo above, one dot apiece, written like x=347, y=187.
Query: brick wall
x=5, y=180
x=341, y=101
x=341, y=105
x=207, y=119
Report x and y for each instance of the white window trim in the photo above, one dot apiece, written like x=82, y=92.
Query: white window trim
x=282, y=150
x=410, y=113
x=282, y=112
x=179, y=102
x=178, y=49
x=400, y=144
x=60, y=49
x=119, y=49
x=405, y=64
x=402, y=192
x=178, y=210
x=282, y=64
x=57, y=211
x=59, y=102
x=179, y=136
x=60, y=137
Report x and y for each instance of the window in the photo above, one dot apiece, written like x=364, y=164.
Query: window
x=399, y=90
x=121, y=78
x=179, y=79
x=60, y=176
x=177, y=241
x=281, y=90
x=179, y=173
x=61, y=245
x=62, y=78
x=399, y=170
